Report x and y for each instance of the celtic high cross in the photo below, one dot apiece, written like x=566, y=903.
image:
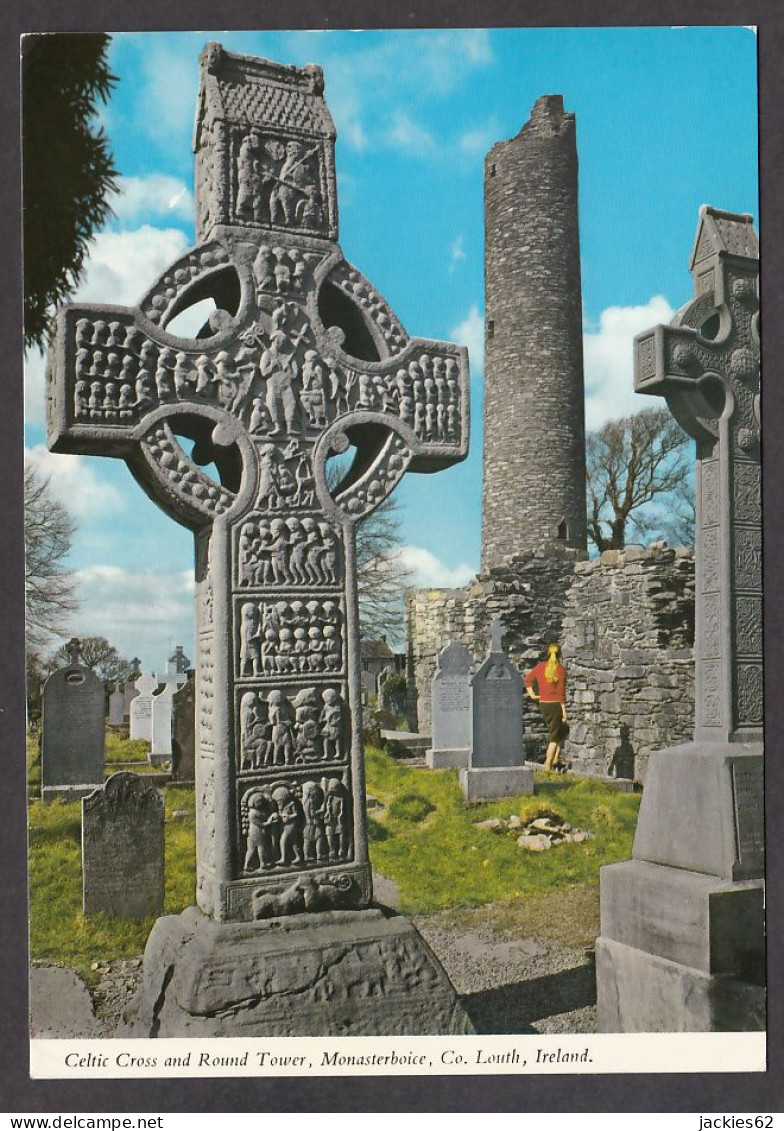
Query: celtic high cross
x=300, y=360
x=706, y=364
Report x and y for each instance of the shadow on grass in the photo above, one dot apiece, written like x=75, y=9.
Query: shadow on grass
x=513, y=1008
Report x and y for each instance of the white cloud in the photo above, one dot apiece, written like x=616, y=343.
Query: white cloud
x=168, y=94
x=156, y=194
x=405, y=134
x=457, y=253
x=143, y=614
x=478, y=140
x=429, y=572
x=75, y=484
x=471, y=332
x=609, y=359
x=122, y=266
x=34, y=386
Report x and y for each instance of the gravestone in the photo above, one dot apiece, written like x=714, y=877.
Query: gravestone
x=117, y=706
x=301, y=360
x=496, y=764
x=129, y=689
x=141, y=708
x=122, y=849
x=682, y=923
x=161, y=749
x=183, y=731
x=72, y=730
x=451, y=709
x=178, y=665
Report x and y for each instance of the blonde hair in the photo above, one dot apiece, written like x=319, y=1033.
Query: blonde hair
x=551, y=671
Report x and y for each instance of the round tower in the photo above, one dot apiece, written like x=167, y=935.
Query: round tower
x=534, y=415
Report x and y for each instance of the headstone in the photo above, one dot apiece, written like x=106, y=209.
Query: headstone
x=73, y=730
x=496, y=765
x=451, y=708
x=117, y=706
x=301, y=359
x=130, y=687
x=141, y=708
x=178, y=664
x=122, y=849
x=183, y=740
x=161, y=749
x=682, y=923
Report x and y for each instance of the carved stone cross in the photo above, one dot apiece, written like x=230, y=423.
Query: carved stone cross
x=300, y=359
x=497, y=634
x=706, y=364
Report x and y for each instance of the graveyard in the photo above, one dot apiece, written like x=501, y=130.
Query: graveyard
x=252, y=813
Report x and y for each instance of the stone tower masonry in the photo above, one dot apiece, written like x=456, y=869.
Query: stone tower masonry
x=534, y=436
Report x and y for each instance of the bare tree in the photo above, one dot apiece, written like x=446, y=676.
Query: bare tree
x=102, y=657
x=382, y=575
x=49, y=586
x=633, y=464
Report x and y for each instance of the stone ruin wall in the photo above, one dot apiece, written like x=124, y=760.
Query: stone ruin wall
x=626, y=621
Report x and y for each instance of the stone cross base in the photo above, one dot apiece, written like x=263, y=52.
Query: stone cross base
x=682, y=945
x=639, y=992
x=334, y=973
x=488, y=784
x=456, y=759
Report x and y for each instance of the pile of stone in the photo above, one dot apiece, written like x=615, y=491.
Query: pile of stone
x=537, y=835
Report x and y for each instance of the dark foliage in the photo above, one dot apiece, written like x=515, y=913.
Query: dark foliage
x=67, y=167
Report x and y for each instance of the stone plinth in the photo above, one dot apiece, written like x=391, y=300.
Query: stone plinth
x=330, y=973
x=490, y=783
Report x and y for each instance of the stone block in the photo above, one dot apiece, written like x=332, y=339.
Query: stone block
x=490, y=783
x=639, y=992
x=447, y=759
x=334, y=973
x=696, y=920
x=702, y=810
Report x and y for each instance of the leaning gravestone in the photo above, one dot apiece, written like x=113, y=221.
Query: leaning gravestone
x=122, y=849
x=161, y=749
x=682, y=923
x=183, y=733
x=496, y=766
x=72, y=730
x=302, y=359
x=141, y=708
x=451, y=709
x=117, y=706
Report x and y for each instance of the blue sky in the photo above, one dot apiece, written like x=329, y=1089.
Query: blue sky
x=666, y=121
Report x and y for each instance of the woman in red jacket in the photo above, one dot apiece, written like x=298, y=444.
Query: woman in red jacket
x=550, y=678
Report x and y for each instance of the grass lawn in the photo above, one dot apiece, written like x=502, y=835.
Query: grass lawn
x=59, y=932
x=424, y=839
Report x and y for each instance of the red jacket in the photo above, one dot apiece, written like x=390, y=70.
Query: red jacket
x=548, y=692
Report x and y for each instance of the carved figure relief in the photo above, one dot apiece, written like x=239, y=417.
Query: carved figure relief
x=296, y=551
x=289, y=823
x=292, y=730
x=279, y=182
x=290, y=637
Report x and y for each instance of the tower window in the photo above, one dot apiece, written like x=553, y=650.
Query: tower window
x=492, y=170
x=563, y=530
x=490, y=328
